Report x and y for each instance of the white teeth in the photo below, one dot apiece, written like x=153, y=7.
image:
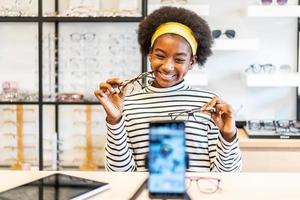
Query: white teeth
x=167, y=75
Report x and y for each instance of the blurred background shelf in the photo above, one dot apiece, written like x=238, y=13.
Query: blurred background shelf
x=274, y=11
x=196, y=78
x=202, y=10
x=272, y=80
x=236, y=44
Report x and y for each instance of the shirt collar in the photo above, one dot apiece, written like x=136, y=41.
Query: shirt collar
x=179, y=86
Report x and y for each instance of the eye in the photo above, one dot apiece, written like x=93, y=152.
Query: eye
x=179, y=60
x=160, y=56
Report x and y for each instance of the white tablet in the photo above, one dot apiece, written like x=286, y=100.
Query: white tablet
x=56, y=187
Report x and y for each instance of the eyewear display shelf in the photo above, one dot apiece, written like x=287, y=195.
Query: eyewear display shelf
x=298, y=68
x=40, y=20
x=270, y=134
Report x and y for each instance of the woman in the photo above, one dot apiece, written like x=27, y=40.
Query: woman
x=174, y=39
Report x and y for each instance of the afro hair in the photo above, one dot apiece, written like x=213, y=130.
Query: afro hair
x=199, y=26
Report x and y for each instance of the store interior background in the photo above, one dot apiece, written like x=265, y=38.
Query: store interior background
x=277, y=39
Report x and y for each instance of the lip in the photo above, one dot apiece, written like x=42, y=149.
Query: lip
x=165, y=76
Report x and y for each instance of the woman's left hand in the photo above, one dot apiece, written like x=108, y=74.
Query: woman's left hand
x=223, y=117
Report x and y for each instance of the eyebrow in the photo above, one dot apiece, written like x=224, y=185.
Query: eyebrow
x=177, y=54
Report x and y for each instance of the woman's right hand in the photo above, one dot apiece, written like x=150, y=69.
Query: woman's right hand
x=111, y=98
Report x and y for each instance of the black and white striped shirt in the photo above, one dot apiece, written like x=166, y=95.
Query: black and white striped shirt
x=127, y=141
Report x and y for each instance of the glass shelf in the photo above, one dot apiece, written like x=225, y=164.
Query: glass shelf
x=202, y=10
x=236, y=44
x=274, y=11
x=70, y=19
x=272, y=80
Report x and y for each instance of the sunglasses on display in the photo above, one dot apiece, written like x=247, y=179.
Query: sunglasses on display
x=269, y=2
x=228, y=33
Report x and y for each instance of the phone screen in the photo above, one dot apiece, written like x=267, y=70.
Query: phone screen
x=167, y=159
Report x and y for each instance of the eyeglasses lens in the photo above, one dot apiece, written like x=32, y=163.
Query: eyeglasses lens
x=216, y=33
x=255, y=125
x=89, y=36
x=230, y=33
x=296, y=124
x=295, y=127
x=266, y=2
x=269, y=125
x=285, y=68
x=76, y=37
x=268, y=68
x=281, y=2
x=256, y=68
x=207, y=185
x=282, y=126
x=137, y=83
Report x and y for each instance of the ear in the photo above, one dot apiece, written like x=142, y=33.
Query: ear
x=192, y=62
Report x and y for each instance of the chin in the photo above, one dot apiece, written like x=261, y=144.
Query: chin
x=164, y=84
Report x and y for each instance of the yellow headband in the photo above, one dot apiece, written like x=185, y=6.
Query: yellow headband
x=179, y=29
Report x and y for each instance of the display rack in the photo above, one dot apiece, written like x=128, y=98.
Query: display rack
x=40, y=20
x=298, y=68
x=88, y=165
x=20, y=139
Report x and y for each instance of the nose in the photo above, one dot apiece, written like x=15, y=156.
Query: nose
x=168, y=65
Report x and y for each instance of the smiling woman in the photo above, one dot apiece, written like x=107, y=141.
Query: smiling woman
x=170, y=59
x=174, y=39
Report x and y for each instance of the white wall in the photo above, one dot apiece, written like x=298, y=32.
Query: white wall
x=277, y=44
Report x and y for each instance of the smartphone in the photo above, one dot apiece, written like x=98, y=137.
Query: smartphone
x=167, y=160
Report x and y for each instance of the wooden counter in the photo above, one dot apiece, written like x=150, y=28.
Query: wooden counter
x=245, y=186
x=246, y=142
x=269, y=155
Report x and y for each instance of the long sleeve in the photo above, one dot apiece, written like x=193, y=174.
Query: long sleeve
x=225, y=156
x=118, y=154
x=128, y=141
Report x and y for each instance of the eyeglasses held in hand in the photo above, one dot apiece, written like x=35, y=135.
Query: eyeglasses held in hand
x=197, y=114
x=269, y=2
x=129, y=86
x=229, y=33
x=207, y=185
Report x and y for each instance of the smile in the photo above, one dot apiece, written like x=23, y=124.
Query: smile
x=166, y=76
